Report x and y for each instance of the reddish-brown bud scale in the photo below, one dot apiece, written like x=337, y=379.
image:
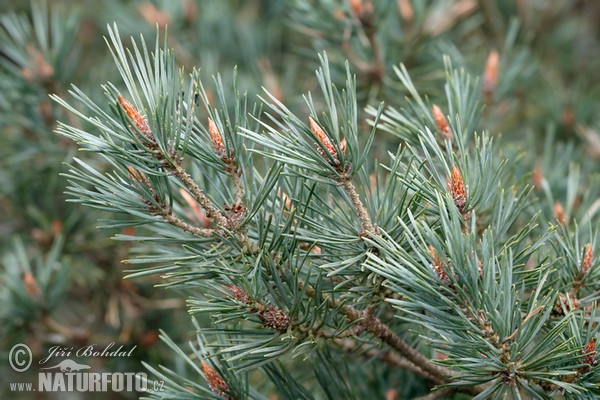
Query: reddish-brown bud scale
x=559, y=213
x=239, y=294
x=357, y=7
x=537, y=178
x=490, y=74
x=134, y=174
x=31, y=286
x=287, y=202
x=215, y=381
x=343, y=146
x=320, y=134
x=274, y=318
x=216, y=138
x=456, y=186
x=406, y=10
x=140, y=122
x=38, y=68
x=438, y=266
x=588, y=257
x=322, y=137
x=589, y=352
x=441, y=122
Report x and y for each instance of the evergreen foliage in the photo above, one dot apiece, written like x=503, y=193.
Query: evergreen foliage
x=408, y=223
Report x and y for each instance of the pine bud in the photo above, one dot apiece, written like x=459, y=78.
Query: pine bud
x=215, y=381
x=406, y=10
x=239, y=294
x=361, y=8
x=588, y=256
x=38, y=68
x=153, y=15
x=216, y=138
x=320, y=134
x=285, y=199
x=490, y=74
x=438, y=266
x=441, y=122
x=537, y=178
x=563, y=301
x=31, y=285
x=559, y=213
x=139, y=176
x=343, y=146
x=274, y=318
x=456, y=187
x=589, y=352
x=141, y=123
x=136, y=175
x=357, y=7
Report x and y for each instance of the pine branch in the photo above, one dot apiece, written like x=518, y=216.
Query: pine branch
x=378, y=329
x=211, y=211
x=350, y=346
x=172, y=219
x=363, y=215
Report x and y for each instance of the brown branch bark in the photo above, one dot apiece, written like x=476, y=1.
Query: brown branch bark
x=363, y=215
x=211, y=211
x=378, y=329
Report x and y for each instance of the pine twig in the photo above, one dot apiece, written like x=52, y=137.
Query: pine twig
x=172, y=219
x=211, y=211
x=388, y=357
x=363, y=215
x=236, y=175
x=376, y=328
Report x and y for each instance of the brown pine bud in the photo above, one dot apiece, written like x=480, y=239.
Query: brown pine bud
x=343, y=146
x=153, y=15
x=31, y=285
x=391, y=394
x=490, y=75
x=216, y=138
x=38, y=68
x=537, y=178
x=136, y=175
x=357, y=7
x=362, y=9
x=320, y=134
x=287, y=202
x=140, y=121
x=559, y=213
x=215, y=381
x=441, y=122
x=274, y=318
x=568, y=301
x=406, y=10
x=588, y=256
x=589, y=352
x=457, y=190
x=239, y=294
x=438, y=266
x=139, y=176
